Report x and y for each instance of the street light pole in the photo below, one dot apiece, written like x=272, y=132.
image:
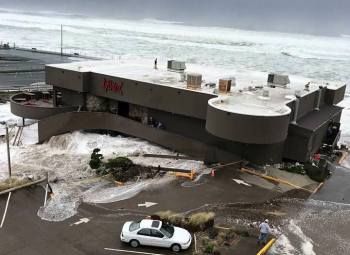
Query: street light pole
x=8, y=150
x=61, y=40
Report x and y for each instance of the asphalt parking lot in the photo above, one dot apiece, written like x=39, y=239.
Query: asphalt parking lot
x=97, y=226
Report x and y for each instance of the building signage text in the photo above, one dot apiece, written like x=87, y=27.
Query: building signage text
x=114, y=86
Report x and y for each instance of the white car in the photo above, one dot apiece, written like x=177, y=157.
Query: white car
x=155, y=233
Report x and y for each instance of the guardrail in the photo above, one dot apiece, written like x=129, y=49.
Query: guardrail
x=26, y=88
x=36, y=112
x=76, y=54
x=23, y=186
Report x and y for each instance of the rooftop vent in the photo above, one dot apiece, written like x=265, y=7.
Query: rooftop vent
x=226, y=84
x=194, y=80
x=278, y=80
x=266, y=93
x=177, y=66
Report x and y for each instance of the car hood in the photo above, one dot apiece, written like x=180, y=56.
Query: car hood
x=181, y=235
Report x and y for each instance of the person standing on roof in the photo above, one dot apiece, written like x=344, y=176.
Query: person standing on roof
x=264, y=232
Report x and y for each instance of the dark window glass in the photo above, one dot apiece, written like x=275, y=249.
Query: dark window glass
x=155, y=224
x=134, y=226
x=156, y=233
x=167, y=230
x=144, y=232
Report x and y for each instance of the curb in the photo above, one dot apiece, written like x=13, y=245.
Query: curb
x=267, y=247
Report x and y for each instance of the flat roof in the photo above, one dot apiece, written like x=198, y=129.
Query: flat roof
x=244, y=98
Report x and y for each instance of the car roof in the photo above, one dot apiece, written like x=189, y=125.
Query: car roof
x=156, y=224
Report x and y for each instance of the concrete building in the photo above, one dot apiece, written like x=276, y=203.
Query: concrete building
x=213, y=120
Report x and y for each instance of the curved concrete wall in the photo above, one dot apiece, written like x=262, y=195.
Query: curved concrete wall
x=247, y=128
x=72, y=121
x=36, y=112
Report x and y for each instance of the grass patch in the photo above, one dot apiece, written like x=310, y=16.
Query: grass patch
x=195, y=222
x=202, y=218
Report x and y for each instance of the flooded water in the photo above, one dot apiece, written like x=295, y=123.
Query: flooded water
x=66, y=159
x=321, y=224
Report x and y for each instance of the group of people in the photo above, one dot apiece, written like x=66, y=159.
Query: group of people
x=154, y=123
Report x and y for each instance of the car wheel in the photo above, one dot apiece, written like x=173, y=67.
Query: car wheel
x=176, y=248
x=134, y=243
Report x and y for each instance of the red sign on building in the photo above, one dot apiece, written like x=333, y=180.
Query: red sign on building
x=114, y=86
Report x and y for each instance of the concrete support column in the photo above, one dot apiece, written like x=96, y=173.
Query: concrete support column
x=54, y=98
x=296, y=109
x=319, y=96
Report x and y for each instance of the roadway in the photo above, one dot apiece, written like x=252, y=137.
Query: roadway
x=20, y=68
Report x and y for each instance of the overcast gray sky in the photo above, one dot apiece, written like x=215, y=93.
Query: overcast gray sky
x=303, y=16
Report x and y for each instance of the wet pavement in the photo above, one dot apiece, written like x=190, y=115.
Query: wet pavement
x=337, y=188
x=25, y=233
x=319, y=225
x=21, y=68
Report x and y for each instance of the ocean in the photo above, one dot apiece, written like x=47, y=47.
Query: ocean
x=315, y=57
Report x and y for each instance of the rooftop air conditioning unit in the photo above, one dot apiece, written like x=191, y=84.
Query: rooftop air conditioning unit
x=266, y=93
x=177, y=66
x=194, y=80
x=278, y=80
x=225, y=85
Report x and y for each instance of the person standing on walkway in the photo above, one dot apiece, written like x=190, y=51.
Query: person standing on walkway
x=264, y=232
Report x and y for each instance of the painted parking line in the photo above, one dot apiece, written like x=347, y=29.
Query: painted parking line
x=136, y=252
x=4, y=216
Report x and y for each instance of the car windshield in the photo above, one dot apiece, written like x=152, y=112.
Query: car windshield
x=134, y=225
x=167, y=230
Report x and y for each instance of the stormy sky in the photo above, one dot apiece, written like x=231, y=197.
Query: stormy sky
x=328, y=17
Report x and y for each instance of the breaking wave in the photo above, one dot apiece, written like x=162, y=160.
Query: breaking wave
x=321, y=58
x=317, y=220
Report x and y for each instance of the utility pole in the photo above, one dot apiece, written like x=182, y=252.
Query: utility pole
x=8, y=150
x=61, y=40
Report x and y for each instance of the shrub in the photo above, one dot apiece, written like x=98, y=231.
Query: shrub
x=213, y=233
x=171, y=217
x=202, y=220
x=95, y=163
x=209, y=248
x=123, y=174
x=96, y=159
x=216, y=251
x=119, y=162
x=226, y=237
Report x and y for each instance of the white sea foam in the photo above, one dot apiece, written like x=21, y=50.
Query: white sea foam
x=66, y=158
x=325, y=58
x=306, y=243
x=108, y=194
x=282, y=247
